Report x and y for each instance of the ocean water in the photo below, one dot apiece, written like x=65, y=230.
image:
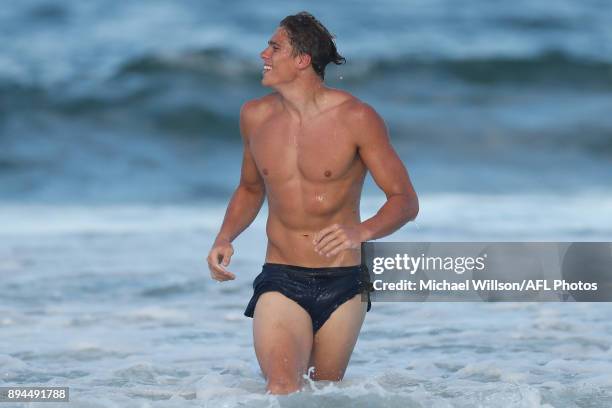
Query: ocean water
x=478, y=97
x=115, y=301
x=119, y=149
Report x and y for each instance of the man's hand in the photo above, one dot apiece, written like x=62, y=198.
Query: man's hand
x=335, y=238
x=218, y=258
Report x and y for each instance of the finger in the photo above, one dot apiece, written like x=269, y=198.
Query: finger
x=331, y=245
x=326, y=238
x=224, y=272
x=223, y=275
x=210, y=261
x=227, y=275
x=336, y=250
x=219, y=257
x=227, y=255
x=324, y=232
x=223, y=278
x=219, y=272
x=213, y=257
x=329, y=238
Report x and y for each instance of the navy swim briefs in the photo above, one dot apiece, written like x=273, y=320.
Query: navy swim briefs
x=319, y=291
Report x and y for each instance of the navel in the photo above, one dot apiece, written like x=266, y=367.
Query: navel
x=265, y=172
x=327, y=173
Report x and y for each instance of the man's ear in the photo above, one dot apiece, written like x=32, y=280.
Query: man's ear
x=303, y=60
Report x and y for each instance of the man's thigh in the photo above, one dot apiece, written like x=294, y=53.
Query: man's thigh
x=335, y=340
x=282, y=335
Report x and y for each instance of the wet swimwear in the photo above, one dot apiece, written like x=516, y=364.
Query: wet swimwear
x=319, y=291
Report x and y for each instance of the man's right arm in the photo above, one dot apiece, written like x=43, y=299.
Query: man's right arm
x=245, y=202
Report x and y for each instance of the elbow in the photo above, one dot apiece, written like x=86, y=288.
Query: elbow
x=415, y=210
x=411, y=207
x=407, y=204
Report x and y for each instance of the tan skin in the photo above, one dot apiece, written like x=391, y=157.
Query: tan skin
x=307, y=148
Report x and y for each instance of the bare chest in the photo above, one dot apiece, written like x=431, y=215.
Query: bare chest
x=319, y=152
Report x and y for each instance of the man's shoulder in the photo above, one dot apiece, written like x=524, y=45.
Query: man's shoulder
x=337, y=99
x=354, y=111
x=255, y=111
x=361, y=120
x=258, y=106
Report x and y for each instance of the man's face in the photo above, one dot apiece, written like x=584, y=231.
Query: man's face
x=279, y=65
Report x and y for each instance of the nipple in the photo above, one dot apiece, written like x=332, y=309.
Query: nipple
x=327, y=173
x=265, y=172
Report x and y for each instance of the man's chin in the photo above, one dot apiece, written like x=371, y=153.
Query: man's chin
x=266, y=83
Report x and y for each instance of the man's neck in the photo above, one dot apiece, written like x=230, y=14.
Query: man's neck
x=304, y=98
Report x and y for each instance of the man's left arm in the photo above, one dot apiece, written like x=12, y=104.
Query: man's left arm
x=388, y=172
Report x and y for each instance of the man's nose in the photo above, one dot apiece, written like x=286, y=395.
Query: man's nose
x=263, y=54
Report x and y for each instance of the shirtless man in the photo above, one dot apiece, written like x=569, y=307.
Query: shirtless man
x=307, y=148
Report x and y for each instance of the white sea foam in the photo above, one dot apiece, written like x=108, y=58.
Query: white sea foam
x=128, y=316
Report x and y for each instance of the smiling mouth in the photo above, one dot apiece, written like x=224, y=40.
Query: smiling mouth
x=266, y=68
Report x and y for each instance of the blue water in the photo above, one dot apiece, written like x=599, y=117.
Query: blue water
x=119, y=148
x=505, y=98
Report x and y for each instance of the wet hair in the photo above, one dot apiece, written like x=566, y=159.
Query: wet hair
x=308, y=36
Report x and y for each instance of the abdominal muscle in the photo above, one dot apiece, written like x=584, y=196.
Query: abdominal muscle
x=292, y=242
x=299, y=206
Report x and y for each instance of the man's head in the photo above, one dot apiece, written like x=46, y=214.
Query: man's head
x=300, y=42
